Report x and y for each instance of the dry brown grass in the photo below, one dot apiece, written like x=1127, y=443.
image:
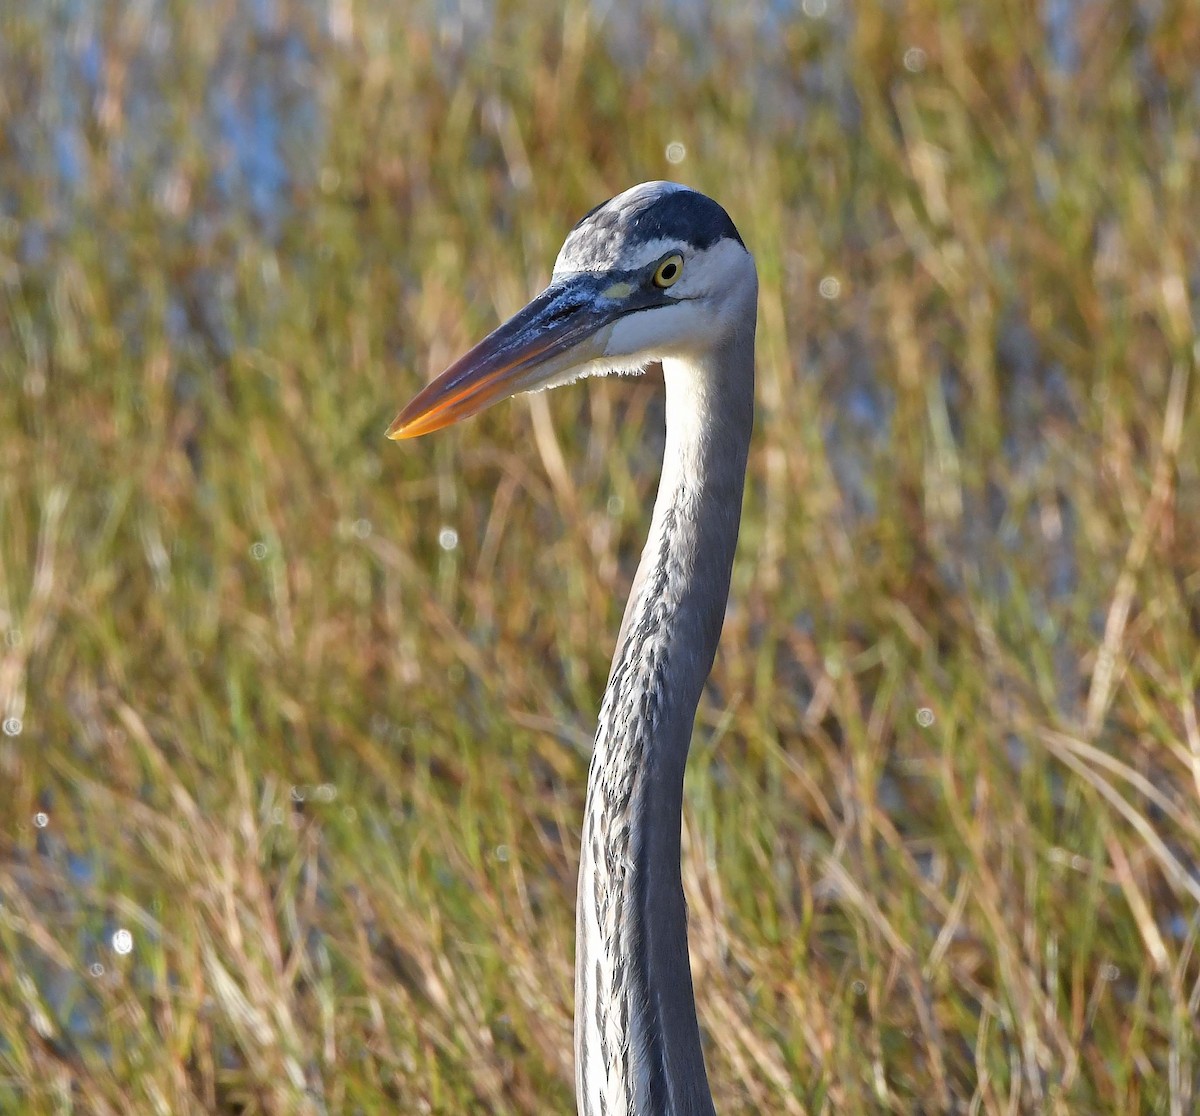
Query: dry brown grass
x=329, y=774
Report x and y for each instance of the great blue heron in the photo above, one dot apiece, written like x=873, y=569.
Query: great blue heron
x=658, y=273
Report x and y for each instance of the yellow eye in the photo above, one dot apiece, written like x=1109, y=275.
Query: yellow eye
x=667, y=272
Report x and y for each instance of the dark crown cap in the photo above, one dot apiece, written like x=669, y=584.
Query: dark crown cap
x=651, y=211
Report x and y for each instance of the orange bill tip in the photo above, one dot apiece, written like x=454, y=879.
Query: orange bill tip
x=452, y=396
x=520, y=355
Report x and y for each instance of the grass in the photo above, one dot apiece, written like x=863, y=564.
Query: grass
x=308, y=713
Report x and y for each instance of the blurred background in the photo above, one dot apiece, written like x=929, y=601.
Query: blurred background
x=296, y=721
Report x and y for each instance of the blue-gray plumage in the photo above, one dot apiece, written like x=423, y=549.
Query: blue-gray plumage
x=658, y=273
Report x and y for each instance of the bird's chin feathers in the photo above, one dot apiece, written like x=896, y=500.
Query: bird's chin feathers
x=594, y=368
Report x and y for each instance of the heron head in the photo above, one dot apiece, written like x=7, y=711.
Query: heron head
x=656, y=273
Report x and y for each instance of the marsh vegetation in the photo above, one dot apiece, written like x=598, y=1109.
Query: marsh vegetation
x=306, y=714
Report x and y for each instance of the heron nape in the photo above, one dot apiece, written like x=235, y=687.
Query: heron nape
x=656, y=274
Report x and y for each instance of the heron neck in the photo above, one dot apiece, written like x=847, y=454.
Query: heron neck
x=637, y=1035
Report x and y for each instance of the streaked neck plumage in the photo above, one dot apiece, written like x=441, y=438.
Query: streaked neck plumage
x=637, y=1039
